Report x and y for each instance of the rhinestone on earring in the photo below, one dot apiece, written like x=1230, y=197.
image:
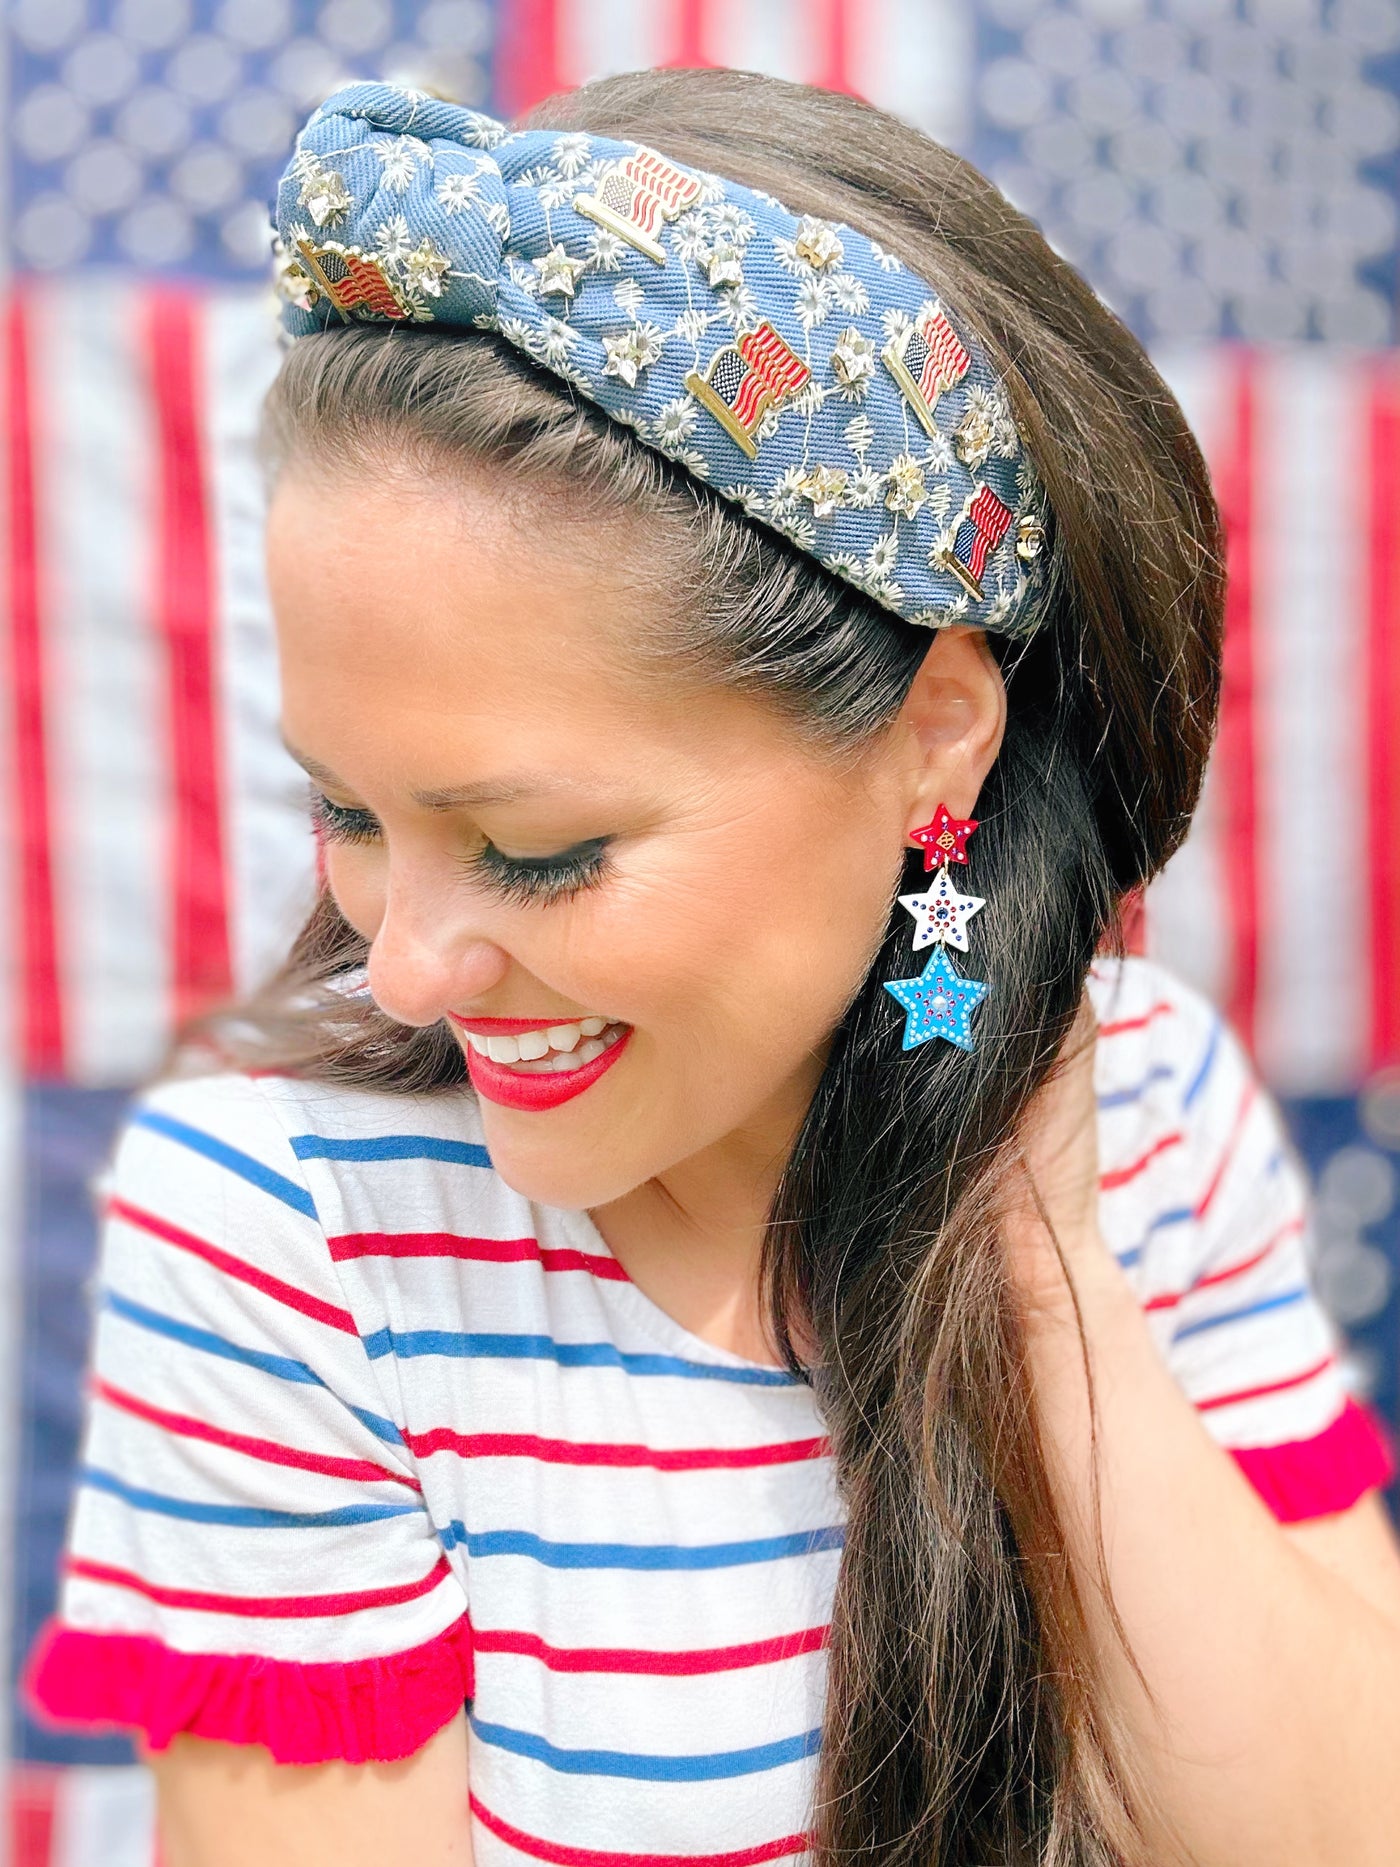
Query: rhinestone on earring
x=941, y=1001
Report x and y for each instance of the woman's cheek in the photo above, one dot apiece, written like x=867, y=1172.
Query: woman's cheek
x=355, y=878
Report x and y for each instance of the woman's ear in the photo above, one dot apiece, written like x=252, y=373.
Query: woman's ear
x=952, y=721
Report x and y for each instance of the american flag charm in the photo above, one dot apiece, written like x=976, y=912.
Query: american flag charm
x=925, y=360
x=353, y=281
x=637, y=197
x=747, y=378
x=977, y=534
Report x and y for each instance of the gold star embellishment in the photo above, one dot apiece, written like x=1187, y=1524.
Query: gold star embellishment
x=426, y=268
x=324, y=195
x=825, y=487
x=559, y=272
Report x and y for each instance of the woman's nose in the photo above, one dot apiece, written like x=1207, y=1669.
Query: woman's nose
x=422, y=964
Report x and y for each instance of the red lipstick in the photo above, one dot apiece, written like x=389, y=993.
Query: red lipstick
x=512, y=1090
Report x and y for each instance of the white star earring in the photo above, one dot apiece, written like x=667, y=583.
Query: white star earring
x=942, y=914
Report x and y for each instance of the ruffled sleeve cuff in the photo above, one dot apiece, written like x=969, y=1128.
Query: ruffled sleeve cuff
x=360, y=1711
x=1315, y=1477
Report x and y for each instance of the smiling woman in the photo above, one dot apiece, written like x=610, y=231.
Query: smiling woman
x=582, y=1376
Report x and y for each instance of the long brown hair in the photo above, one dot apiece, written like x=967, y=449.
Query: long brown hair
x=963, y=1726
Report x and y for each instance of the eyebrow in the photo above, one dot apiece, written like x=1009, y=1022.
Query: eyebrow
x=508, y=790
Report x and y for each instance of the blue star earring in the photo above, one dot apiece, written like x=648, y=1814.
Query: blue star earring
x=940, y=1002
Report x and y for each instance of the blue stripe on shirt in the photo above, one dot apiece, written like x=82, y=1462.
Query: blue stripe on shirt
x=255, y=1172
x=1118, y=1098
x=1281, y=1301
x=285, y=1367
x=240, y=1516
x=410, y=1343
x=1203, y=1068
x=642, y=1767
x=388, y=1147
x=641, y=1556
x=1175, y=1215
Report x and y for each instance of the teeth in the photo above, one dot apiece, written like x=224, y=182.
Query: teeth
x=561, y=1047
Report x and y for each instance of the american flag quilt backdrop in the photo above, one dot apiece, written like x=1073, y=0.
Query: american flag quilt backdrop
x=1227, y=172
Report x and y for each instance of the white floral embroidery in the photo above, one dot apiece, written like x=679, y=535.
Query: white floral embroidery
x=497, y=216
x=799, y=528
x=749, y=497
x=860, y=433
x=882, y=557
x=895, y=322
x=739, y=307
x=813, y=301
x=786, y=494
x=845, y=564
x=808, y=400
x=556, y=339
x=693, y=462
x=571, y=152
x=393, y=240
x=940, y=501
x=885, y=261
x=482, y=132
x=606, y=249
x=692, y=324
x=628, y=296
x=518, y=332
x=522, y=275
x=634, y=350
x=929, y=618
x=959, y=607
x=999, y=610
x=400, y=160
x=849, y=293
x=676, y=421
x=455, y=192
x=865, y=487
x=938, y=456
x=555, y=193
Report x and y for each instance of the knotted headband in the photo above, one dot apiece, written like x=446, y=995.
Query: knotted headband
x=787, y=361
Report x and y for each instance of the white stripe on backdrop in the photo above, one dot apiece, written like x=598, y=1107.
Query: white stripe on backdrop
x=913, y=57
x=103, y=1818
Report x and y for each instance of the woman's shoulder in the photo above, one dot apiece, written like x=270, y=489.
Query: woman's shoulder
x=306, y=1150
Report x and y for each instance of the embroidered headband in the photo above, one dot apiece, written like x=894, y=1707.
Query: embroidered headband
x=788, y=362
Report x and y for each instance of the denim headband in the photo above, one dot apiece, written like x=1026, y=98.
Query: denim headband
x=787, y=361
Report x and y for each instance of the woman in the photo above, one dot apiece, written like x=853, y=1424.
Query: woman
x=615, y=1343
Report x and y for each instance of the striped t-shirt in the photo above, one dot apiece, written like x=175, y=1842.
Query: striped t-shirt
x=371, y=1436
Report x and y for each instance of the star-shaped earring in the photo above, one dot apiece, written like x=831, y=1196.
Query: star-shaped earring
x=939, y=1003
x=944, y=838
x=942, y=913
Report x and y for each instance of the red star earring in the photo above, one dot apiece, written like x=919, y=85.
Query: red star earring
x=944, y=839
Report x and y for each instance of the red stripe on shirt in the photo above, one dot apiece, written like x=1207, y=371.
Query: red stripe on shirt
x=647, y=1660
x=38, y=1013
x=259, y=1607
x=1268, y=1387
x=576, y=1452
x=1169, y=1299
x=300, y=1300
x=1120, y=1176
x=1251, y=1090
x=32, y=1795
x=1235, y=752
x=268, y=1450
x=598, y=1857
x=474, y=1250
x=1383, y=708
x=185, y=613
x=1118, y=1026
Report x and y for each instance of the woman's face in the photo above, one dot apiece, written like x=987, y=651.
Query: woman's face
x=530, y=836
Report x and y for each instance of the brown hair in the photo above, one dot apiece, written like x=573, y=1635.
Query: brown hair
x=963, y=1723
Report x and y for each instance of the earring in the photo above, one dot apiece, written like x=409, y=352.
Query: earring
x=941, y=1001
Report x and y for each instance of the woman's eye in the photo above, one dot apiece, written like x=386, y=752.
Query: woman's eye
x=541, y=878
x=340, y=823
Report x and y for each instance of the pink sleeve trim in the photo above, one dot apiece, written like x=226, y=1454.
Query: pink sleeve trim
x=1315, y=1477
x=314, y=1712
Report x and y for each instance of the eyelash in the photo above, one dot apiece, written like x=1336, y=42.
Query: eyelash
x=530, y=880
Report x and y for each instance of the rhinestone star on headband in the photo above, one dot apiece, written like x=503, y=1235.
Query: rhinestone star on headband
x=787, y=361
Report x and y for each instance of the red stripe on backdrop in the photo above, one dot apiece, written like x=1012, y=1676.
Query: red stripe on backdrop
x=689, y=45
x=33, y=1795
x=828, y=34
x=527, y=54
x=1383, y=706
x=185, y=612
x=39, y=1012
x=1235, y=747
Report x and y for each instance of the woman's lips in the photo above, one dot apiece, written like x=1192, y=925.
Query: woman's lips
x=498, y=1082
